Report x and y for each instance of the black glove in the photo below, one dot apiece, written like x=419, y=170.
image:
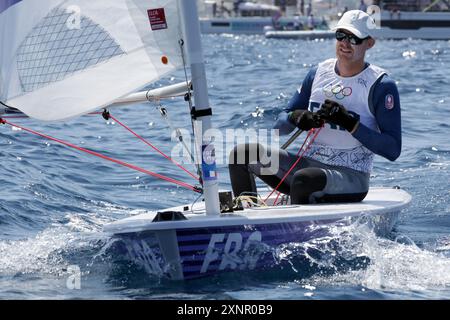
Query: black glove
x=305, y=120
x=336, y=113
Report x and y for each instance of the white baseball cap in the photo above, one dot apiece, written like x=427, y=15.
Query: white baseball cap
x=357, y=22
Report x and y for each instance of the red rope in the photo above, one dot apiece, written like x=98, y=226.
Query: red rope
x=276, y=199
x=311, y=132
x=99, y=155
x=15, y=117
x=154, y=148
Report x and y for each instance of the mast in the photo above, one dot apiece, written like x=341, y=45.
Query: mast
x=191, y=27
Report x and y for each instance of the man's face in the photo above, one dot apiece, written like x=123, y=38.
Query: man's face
x=345, y=51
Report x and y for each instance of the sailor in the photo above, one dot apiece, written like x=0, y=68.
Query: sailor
x=236, y=4
x=356, y=105
x=311, y=22
x=362, y=6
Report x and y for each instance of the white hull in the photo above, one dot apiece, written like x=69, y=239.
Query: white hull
x=301, y=35
x=422, y=33
x=243, y=25
x=203, y=245
x=414, y=25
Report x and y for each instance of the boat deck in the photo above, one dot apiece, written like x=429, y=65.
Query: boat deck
x=378, y=201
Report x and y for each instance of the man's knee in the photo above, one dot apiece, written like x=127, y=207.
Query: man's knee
x=309, y=186
x=305, y=183
x=310, y=178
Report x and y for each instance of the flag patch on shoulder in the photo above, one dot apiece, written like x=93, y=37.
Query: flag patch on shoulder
x=389, y=102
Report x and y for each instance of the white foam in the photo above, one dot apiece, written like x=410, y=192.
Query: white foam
x=393, y=265
x=36, y=255
x=45, y=252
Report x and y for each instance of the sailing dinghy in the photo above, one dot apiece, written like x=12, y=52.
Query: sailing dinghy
x=58, y=51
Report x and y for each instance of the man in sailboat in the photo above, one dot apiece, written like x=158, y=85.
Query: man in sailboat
x=355, y=105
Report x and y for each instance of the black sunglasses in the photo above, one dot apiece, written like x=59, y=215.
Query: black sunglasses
x=340, y=36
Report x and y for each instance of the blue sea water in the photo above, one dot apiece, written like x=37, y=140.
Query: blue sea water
x=54, y=200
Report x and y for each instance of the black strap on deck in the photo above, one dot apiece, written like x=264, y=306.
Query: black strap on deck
x=200, y=113
x=106, y=115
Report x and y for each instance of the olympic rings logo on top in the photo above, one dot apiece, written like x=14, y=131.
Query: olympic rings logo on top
x=338, y=91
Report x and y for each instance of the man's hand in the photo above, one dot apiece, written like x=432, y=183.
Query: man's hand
x=305, y=120
x=336, y=113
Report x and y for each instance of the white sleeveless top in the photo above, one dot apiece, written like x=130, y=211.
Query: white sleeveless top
x=335, y=145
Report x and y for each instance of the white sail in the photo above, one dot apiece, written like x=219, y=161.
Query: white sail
x=61, y=59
